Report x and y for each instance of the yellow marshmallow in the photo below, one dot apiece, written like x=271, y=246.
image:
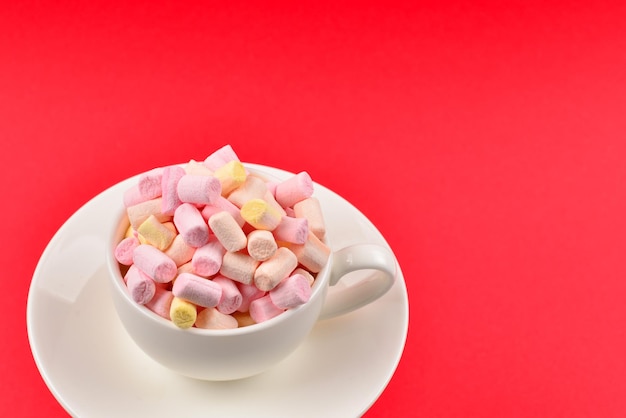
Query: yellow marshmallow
x=260, y=214
x=182, y=313
x=153, y=232
x=231, y=175
x=129, y=232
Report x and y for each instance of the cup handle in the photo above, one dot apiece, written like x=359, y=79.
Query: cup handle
x=377, y=283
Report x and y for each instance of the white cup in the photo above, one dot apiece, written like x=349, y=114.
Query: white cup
x=242, y=352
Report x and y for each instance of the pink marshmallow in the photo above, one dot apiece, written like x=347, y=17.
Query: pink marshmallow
x=154, y=263
x=197, y=290
x=295, y=189
x=191, y=225
x=222, y=204
x=263, y=309
x=291, y=292
x=207, y=260
x=249, y=292
x=227, y=231
x=124, y=250
x=133, y=196
x=209, y=210
x=220, y=157
x=308, y=276
x=148, y=188
x=161, y=302
x=231, y=296
x=169, y=183
x=140, y=286
x=271, y=187
x=229, y=207
x=150, y=183
x=294, y=230
x=202, y=190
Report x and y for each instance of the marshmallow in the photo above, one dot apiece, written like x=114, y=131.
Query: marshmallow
x=133, y=196
x=191, y=225
x=182, y=313
x=243, y=319
x=263, y=309
x=272, y=271
x=140, y=286
x=311, y=210
x=155, y=233
x=201, y=190
x=249, y=292
x=130, y=232
x=186, y=268
x=221, y=204
x=124, y=250
x=271, y=187
x=295, y=230
x=239, y=267
x=231, y=175
x=154, y=263
x=169, y=185
x=161, y=302
x=291, y=292
x=211, y=318
x=180, y=251
x=271, y=200
x=149, y=183
x=210, y=210
x=138, y=213
x=207, y=260
x=197, y=168
x=197, y=290
x=259, y=214
x=148, y=188
x=231, y=297
x=220, y=157
x=261, y=244
x=252, y=188
x=295, y=189
x=227, y=231
x=309, y=277
x=313, y=254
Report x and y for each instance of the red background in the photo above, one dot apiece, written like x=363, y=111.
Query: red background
x=484, y=139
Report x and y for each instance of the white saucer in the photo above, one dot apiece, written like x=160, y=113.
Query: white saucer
x=95, y=370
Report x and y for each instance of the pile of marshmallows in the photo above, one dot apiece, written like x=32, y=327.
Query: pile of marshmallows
x=213, y=246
